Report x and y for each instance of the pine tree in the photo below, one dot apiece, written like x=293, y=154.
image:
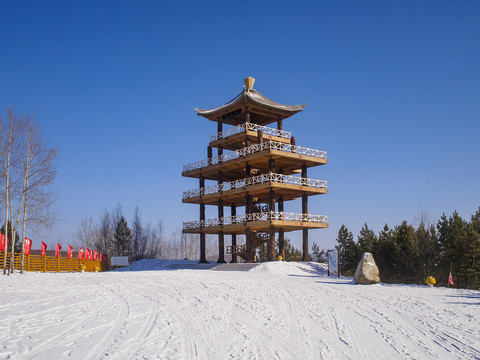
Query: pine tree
x=318, y=255
x=367, y=240
x=407, y=251
x=123, y=238
x=349, y=253
x=291, y=254
x=386, y=254
x=18, y=243
x=427, y=251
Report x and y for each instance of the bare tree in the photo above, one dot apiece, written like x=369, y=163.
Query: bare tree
x=37, y=165
x=139, y=237
x=27, y=167
x=105, y=233
x=86, y=232
x=7, y=138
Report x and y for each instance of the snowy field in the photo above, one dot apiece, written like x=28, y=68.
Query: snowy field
x=273, y=311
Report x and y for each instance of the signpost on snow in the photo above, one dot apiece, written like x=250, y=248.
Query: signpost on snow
x=332, y=256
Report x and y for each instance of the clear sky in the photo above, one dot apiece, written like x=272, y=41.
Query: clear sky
x=392, y=91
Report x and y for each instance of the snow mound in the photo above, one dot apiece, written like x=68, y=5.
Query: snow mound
x=291, y=268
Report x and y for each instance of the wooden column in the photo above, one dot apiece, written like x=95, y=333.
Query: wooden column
x=248, y=233
x=248, y=210
x=280, y=124
x=221, y=236
x=246, y=116
x=305, y=211
x=203, y=258
x=271, y=252
x=234, y=236
x=281, y=234
x=271, y=165
x=260, y=136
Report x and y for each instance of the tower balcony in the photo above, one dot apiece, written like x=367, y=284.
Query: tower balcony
x=234, y=137
x=232, y=164
x=288, y=187
x=262, y=221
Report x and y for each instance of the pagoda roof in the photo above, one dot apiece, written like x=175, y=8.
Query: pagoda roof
x=262, y=109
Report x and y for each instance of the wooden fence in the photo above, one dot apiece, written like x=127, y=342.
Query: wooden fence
x=53, y=264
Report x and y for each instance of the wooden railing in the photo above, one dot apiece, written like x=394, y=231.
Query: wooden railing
x=53, y=264
x=253, y=127
x=259, y=179
x=268, y=145
x=263, y=216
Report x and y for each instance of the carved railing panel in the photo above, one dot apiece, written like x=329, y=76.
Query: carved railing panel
x=262, y=216
x=259, y=179
x=253, y=127
x=268, y=145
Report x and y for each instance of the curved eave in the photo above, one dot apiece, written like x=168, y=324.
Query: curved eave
x=251, y=97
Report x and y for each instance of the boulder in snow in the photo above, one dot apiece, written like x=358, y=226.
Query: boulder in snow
x=367, y=271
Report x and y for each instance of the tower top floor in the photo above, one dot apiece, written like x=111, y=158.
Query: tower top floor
x=250, y=106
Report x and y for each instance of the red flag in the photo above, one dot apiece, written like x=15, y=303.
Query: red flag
x=27, y=246
x=450, y=279
x=3, y=243
x=80, y=253
x=88, y=254
x=70, y=248
x=95, y=255
x=101, y=257
x=57, y=250
x=44, y=248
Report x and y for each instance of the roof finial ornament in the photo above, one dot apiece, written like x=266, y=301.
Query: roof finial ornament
x=249, y=82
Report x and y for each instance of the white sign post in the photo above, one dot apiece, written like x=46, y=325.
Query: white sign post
x=332, y=256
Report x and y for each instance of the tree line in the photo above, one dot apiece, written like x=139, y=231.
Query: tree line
x=409, y=254
x=114, y=235
x=27, y=171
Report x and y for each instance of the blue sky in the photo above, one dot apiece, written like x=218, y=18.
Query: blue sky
x=392, y=92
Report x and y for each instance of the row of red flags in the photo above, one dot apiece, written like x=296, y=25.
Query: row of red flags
x=88, y=253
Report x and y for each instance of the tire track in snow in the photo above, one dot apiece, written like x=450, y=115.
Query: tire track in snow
x=65, y=336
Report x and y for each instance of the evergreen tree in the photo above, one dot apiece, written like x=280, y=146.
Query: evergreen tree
x=291, y=254
x=262, y=252
x=18, y=243
x=407, y=251
x=123, y=238
x=427, y=251
x=367, y=240
x=318, y=255
x=349, y=254
x=386, y=254
x=470, y=268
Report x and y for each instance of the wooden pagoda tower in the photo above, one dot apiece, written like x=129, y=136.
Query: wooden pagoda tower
x=257, y=168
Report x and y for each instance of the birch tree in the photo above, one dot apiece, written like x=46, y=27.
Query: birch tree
x=37, y=165
x=28, y=170
x=7, y=138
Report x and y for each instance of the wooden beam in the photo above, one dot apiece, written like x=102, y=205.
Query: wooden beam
x=233, y=212
x=281, y=233
x=271, y=252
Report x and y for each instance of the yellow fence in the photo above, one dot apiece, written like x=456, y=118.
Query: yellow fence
x=53, y=264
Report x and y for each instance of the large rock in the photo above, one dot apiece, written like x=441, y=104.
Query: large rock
x=367, y=271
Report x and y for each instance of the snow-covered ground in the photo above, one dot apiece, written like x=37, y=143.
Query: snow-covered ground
x=273, y=311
